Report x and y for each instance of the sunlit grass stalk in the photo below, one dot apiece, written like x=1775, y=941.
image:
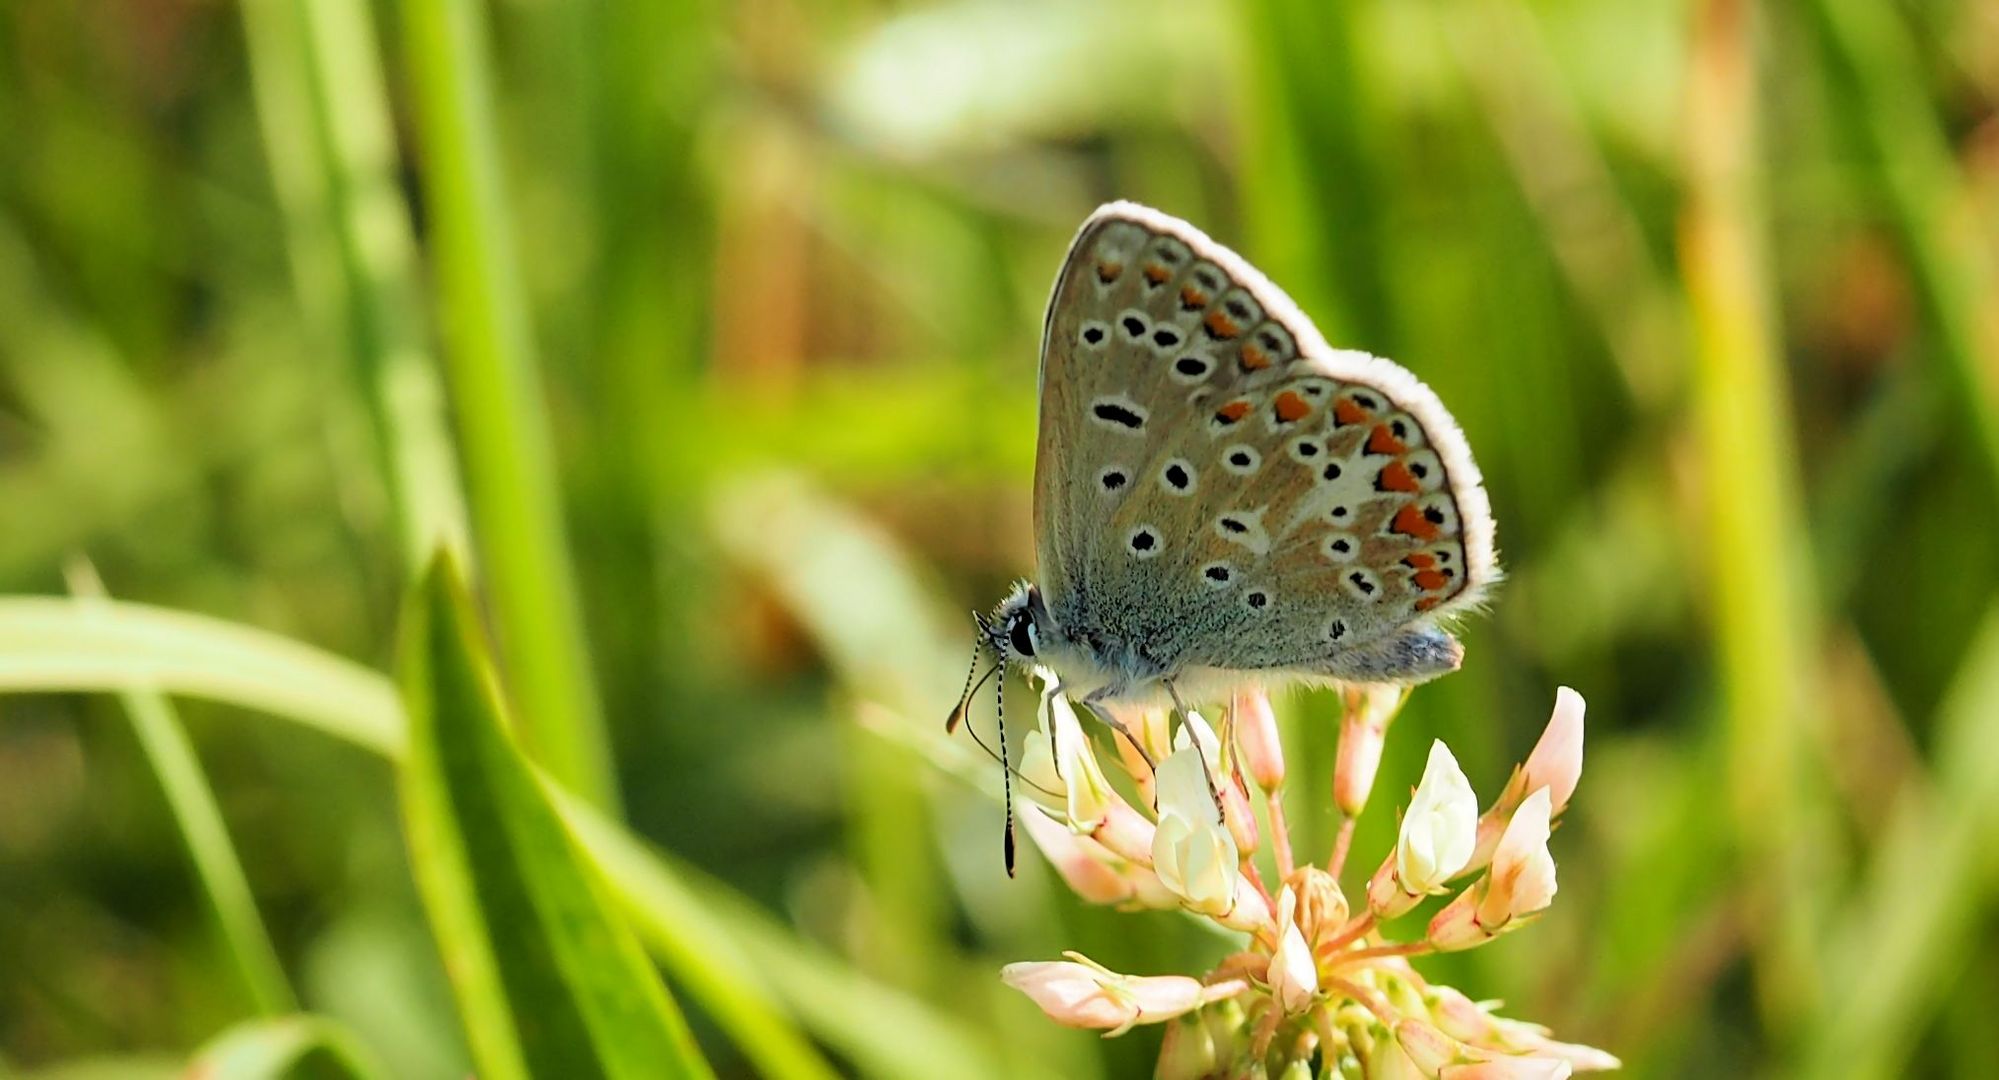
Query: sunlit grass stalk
x=323, y=107
x=1867, y=52
x=1917, y=921
x=202, y=831
x=1315, y=196
x=495, y=384
x=1592, y=230
x=1756, y=543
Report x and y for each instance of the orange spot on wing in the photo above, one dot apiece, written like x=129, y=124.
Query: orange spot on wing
x=1220, y=325
x=1422, y=560
x=1254, y=358
x=1429, y=580
x=1425, y=603
x=1409, y=521
x=1383, y=441
x=1346, y=412
x=1156, y=273
x=1108, y=270
x=1397, y=477
x=1232, y=412
x=1290, y=405
x=1192, y=298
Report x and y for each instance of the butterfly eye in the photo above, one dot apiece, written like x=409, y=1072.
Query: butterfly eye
x=1113, y=478
x=1134, y=324
x=1217, y=575
x=1021, y=635
x=1177, y=477
x=1094, y=334
x=1142, y=542
x=1336, y=629
x=1256, y=600
x=1340, y=547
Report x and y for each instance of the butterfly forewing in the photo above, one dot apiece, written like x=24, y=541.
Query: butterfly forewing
x=1218, y=487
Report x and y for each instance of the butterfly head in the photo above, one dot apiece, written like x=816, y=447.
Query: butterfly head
x=1015, y=629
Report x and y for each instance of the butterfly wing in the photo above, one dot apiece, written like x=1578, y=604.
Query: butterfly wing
x=1216, y=487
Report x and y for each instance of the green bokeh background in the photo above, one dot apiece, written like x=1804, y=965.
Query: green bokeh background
x=714, y=327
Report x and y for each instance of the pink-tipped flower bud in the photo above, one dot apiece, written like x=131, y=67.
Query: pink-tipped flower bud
x=1472, y=1022
x=1509, y=1068
x=1091, y=870
x=1228, y=788
x=1556, y=763
x=1442, y=1056
x=1557, y=760
x=1370, y=708
x=1239, y=815
x=1386, y=1060
x=1081, y=993
x=1256, y=736
x=1429, y=1048
x=1520, y=884
x=1142, y=742
x=1523, y=873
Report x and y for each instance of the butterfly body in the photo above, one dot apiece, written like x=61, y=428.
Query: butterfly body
x=1223, y=499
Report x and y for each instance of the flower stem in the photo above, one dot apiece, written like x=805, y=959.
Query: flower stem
x=1377, y=952
x=1340, y=845
x=1280, y=832
x=1355, y=928
x=1248, y=869
x=1375, y=1003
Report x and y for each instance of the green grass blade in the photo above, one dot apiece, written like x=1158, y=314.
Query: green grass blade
x=286, y=1048
x=49, y=644
x=496, y=390
x=1877, y=84
x=167, y=749
x=549, y=982
x=1921, y=914
x=316, y=74
x=1316, y=201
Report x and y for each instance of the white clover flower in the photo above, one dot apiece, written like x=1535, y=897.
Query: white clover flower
x=1192, y=852
x=1294, y=975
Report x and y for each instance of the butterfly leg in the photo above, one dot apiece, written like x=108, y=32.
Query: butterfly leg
x=1411, y=656
x=1111, y=721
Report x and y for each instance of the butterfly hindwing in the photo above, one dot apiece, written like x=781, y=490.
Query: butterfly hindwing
x=1218, y=487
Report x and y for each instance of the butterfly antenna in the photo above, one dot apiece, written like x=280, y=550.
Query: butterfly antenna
x=1006, y=769
x=965, y=697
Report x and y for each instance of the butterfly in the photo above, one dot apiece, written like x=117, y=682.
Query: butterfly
x=1220, y=497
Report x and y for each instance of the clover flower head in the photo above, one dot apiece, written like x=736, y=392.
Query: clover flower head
x=1314, y=981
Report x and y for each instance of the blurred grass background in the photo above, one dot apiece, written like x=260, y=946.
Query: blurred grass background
x=707, y=332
